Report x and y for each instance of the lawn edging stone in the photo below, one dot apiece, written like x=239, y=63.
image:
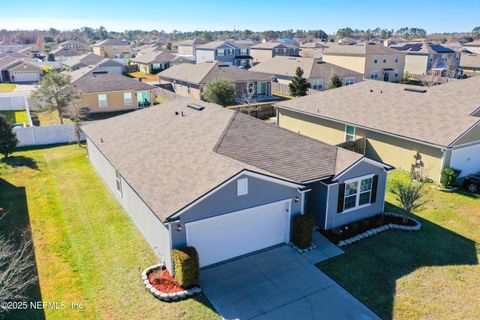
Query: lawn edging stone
x=165, y=296
x=380, y=229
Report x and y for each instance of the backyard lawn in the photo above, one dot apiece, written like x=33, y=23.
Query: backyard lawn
x=429, y=274
x=87, y=250
x=7, y=87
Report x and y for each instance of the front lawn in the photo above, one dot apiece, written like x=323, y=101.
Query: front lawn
x=429, y=274
x=86, y=248
x=7, y=87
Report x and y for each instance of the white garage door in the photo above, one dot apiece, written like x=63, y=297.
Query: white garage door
x=25, y=76
x=233, y=234
x=466, y=159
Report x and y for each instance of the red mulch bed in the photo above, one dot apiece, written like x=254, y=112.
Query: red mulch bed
x=163, y=281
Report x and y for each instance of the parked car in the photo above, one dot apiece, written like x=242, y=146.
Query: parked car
x=472, y=182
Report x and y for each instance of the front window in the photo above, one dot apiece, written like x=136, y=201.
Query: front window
x=397, y=72
x=374, y=74
x=244, y=52
x=375, y=59
x=384, y=59
x=127, y=98
x=102, y=101
x=261, y=88
x=358, y=192
x=349, y=81
x=220, y=53
x=396, y=59
x=444, y=58
x=349, y=133
x=317, y=84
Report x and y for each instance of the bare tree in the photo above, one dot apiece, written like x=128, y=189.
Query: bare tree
x=77, y=114
x=248, y=97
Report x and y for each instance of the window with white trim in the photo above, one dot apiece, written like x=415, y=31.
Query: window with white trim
x=397, y=72
x=127, y=98
x=220, y=52
x=375, y=59
x=349, y=133
x=102, y=101
x=317, y=84
x=242, y=187
x=358, y=192
x=349, y=81
x=374, y=74
x=384, y=59
x=118, y=181
x=396, y=59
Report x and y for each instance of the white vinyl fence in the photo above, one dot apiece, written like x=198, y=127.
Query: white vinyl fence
x=36, y=136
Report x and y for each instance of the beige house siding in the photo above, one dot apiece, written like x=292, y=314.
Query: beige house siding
x=370, y=66
x=260, y=55
x=114, y=100
x=416, y=64
x=389, y=149
x=355, y=63
x=186, y=50
x=108, y=52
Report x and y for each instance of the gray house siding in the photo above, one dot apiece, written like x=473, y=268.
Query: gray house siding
x=334, y=219
x=225, y=200
x=153, y=230
x=317, y=202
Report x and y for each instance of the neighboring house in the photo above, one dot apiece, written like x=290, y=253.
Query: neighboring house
x=237, y=54
x=16, y=110
x=105, y=91
x=92, y=59
x=190, y=173
x=314, y=45
x=313, y=49
x=441, y=123
x=470, y=63
x=373, y=60
x=267, y=50
x=473, y=47
x=112, y=48
x=423, y=58
x=317, y=72
x=11, y=46
x=17, y=70
x=456, y=46
x=188, y=47
x=153, y=62
x=189, y=80
x=70, y=48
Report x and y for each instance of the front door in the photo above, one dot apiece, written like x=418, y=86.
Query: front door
x=386, y=76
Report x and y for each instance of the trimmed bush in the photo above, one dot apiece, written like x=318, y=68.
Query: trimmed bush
x=302, y=230
x=187, y=267
x=449, y=177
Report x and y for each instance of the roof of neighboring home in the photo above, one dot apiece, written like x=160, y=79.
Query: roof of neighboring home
x=470, y=60
x=314, y=45
x=154, y=57
x=72, y=42
x=191, y=42
x=172, y=160
x=438, y=116
x=360, y=49
x=422, y=47
x=13, y=54
x=111, y=42
x=273, y=45
x=9, y=62
x=202, y=73
x=312, y=68
x=88, y=59
x=475, y=43
x=91, y=80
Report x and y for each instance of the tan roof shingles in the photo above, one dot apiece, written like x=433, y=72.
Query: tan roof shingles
x=170, y=161
x=437, y=117
x=360, y=49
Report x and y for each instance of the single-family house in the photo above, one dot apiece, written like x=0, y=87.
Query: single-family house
x=317, y=72
x=267, y=50
x=16, y=70
x=473, y=47
x=106, y=91
x=92, y=59
x=188, y=47
x=470, y=63
x=154, y=61
x=112, y=48
x=189, y=80
x=191, y=173
x=237, y=54
x=6, y=46
x=373, y=60
x=70, y=48
x=423, y=58
x=411, y=128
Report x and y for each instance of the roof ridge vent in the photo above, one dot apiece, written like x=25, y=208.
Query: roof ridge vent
x=195, y=106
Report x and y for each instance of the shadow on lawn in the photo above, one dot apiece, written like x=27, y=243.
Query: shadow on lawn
x=369, y=270
x=16, y=224
x=20, y=161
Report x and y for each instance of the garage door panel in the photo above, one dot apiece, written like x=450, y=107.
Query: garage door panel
x=466, y=159
x=234, y=234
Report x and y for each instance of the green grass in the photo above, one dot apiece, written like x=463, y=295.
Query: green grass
x=86, y=248
x=429, y=274
x=7, y=87
x=15, y=116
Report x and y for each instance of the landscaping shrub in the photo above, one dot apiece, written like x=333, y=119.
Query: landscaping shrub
x=302, y=230
x=186, y=267
x=448, y=177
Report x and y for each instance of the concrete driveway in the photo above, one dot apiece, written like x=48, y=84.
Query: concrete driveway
x=278, y=284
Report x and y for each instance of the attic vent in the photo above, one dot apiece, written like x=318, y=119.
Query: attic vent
x=99, y=73
x=195, y=107
x=415, y=90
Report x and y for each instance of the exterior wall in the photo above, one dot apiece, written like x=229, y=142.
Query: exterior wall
x=392, y=150
x=187, y=91
x=153, y=230
x=416, y=64
x=260, y=55
x=370, y=66
x=473, y=49
x=334, y=219
x=109, y=52
x=204, y=55
x=114, y=100
x=350, y=62
x=225, y=200
x=186, y=50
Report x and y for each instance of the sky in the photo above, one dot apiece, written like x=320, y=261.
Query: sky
x=260, y=15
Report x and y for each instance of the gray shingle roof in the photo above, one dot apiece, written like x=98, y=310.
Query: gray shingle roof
x=438, y=117
x=272, y=45
x=360, y=49
x=172, y=160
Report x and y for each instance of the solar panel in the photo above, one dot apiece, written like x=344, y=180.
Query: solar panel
x=441, y=49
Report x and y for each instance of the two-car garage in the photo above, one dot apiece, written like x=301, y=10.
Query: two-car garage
x=234, y=234
x=466, y=159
